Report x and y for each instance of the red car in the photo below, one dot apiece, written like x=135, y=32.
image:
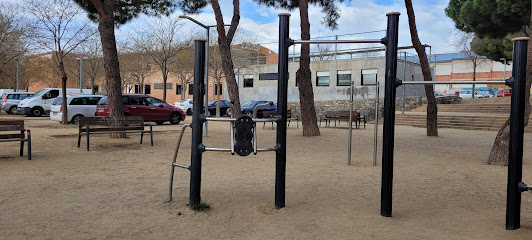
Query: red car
x=150, y=108
x=507, y=92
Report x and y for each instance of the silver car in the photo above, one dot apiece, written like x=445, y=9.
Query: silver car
x=11, y=100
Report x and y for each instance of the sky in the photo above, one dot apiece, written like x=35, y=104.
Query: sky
x=260, y=24
x=356, y=16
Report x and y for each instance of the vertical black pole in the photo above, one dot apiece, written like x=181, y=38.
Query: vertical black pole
x=197, y=123
x=517, y=126
x=282, y=93
x=389, y=113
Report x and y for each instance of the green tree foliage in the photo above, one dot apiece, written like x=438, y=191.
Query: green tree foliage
x=493, y=22
x=125, y=10
x=489, y=18
x=493, y=48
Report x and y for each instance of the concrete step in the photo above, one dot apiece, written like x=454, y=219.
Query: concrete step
x=485, y=123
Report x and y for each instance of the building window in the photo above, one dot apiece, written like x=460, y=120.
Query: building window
x=190, y=88
x=161, y=86
x=344, y=78
x=147, y=89
x=322, y=78
x=95, y=89
x=369, y=77
x=268, y=76
x=178, y=89
x=217, y=89
x=248, y=80
x=137, y=88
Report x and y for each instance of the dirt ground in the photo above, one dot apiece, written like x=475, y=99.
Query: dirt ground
x=442, y=187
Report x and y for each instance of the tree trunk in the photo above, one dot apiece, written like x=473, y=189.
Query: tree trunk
x=217, y=87
x=165, y=79
x=64, y=79
x=500, y=152
x=309, y=118
x=432, y=108
x=93, y=88
x=106, y=28
x=225, y=52
x=474, y=79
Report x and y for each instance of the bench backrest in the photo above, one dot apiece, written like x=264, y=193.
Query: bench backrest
x=273, y=113
x=340, y=114
x=110, y=121
x=12, y=125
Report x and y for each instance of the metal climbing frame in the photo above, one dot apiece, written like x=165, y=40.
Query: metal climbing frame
x=245, y=136
x=515, y=165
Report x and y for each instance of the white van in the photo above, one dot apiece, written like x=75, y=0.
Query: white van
x=42, y=101
x=78, y=106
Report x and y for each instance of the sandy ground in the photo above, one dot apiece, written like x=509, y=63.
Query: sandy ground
x=442, y=188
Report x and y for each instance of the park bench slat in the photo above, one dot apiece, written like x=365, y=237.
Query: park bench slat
x=10, y=136
x=11, y=128
x=110, y=121
x=115, y=129
x=11, y=122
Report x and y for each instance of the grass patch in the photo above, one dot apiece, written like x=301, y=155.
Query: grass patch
x=202, y=207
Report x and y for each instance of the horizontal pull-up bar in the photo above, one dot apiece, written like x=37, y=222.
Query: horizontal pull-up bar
x=336, y=41
x=229, y=150
x=454, y=82
x=234, y=119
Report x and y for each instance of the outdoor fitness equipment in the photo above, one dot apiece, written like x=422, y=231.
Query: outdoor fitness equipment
x=246, y=136
x=515, y=165
x=376, y=121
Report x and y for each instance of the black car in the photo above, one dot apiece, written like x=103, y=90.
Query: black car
x=223, y=107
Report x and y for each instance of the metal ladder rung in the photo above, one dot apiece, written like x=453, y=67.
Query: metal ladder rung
x=174, y=164
x=181, y=165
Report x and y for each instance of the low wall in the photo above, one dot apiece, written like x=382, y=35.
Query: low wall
x=366, y=106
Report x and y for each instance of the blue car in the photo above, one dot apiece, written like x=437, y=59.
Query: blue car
x=247, y=108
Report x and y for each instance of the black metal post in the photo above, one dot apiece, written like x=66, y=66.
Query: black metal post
x=197, y=123
x=517, y=126
x=282, y=98
x=389, y=113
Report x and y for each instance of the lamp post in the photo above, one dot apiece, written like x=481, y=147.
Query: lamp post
x=81, y=74
x=207, y=27
x=504, y=76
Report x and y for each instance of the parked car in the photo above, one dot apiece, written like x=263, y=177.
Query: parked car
x=223, y=107
x=249, y=106
x=12, y=99
x=507, y=92
x=466, y=94
x=150, y=108
x=77, y=106
x=41, y=102
x=185, y=105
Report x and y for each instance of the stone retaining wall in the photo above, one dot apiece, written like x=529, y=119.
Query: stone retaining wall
x=363, y=105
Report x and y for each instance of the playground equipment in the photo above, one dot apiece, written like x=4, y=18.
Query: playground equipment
x=350, y=136
x=515, y=165
x=245, y=137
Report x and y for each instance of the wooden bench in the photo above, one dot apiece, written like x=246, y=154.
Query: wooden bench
x=106, y=125
x=342, y=116
x=16, y=126
x=273, y=114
